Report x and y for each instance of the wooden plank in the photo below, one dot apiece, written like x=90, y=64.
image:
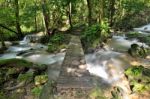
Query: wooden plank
x=71, y=75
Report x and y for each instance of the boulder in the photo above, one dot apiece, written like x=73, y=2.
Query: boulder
x=137, y=51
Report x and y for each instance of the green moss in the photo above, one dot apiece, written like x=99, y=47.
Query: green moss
x=37, y=90
x=97, y=93
x=16, y=62
x=139, y=78
x=134, y=35
x=25, y=77
x=3, y=96
x=134, y=71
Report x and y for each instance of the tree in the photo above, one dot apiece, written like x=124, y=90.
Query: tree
x=20, y=34
x=69, y=13
x=89, y=4
x=2, y=38
x=111, y=11
x=45, y=15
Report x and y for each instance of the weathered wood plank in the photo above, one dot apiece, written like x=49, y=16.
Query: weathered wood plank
x=73, y=72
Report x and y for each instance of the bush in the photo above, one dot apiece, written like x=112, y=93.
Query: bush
x=94, y=35
x=57, y=42
x=90, y=35
x=52, y=48
x=58, y=38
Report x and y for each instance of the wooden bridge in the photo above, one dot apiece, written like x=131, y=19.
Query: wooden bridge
x=73, y=72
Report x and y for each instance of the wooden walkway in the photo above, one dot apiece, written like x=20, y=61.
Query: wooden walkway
x=73, y=72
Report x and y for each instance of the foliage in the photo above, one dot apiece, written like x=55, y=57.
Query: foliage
x=94, y=35
x=58, y=38
x=37, y=90
x=40, y=79
x=90, y=35
x=138, y=77
x=57, y=42
x=44, y=39
x=104, y=27
x=25, y=77
x=3, y=96
x=134, y=71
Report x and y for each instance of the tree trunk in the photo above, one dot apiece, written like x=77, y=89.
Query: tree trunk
x=101, y=11
x=35, y=18
x=45, y=15
x=112, y=12
x=20, y=34
x=2, y=39
x=69, y=14
x=89, y=4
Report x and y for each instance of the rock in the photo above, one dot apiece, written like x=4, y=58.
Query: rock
x=82, y=61
x=137, y=51
x=22, y=52
x=62, y=50
x=90, y=50
x=82, y=66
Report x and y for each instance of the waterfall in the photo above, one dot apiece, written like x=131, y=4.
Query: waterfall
x=30, y=38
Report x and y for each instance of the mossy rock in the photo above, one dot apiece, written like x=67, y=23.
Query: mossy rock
x=15, y=63
x=117, y=93
x=134, y=35
x=139, y=78
x=138, y=51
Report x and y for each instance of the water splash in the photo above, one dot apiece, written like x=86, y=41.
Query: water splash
x=105, y=64
x=42, y=58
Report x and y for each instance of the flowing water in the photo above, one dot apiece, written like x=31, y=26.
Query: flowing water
x=145, y=28
x=33, y=52
x=109, y=64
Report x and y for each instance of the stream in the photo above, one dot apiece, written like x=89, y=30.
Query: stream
x=33, y=52
x=108, y=64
